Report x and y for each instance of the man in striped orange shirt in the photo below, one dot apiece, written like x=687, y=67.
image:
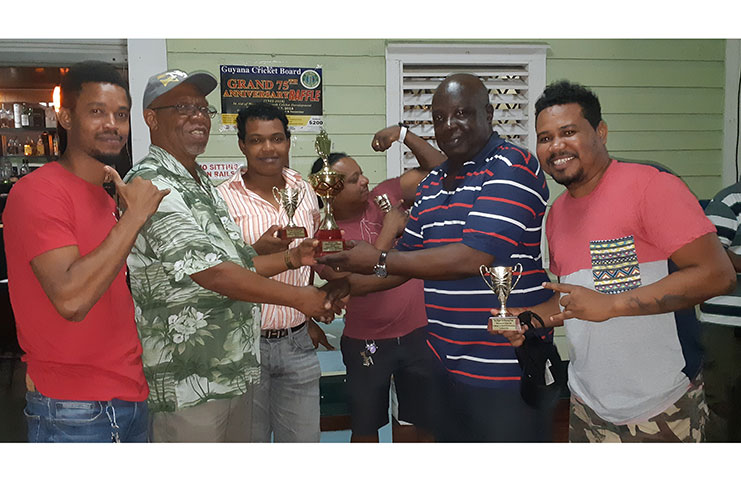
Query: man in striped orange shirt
x=286, y=402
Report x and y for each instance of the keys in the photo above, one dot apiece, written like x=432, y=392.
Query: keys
x=367, y=353
x=367, y=358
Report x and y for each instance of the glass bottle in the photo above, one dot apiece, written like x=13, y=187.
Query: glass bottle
x=25, y=118
x=28, y=147
x=4, y=117
x=17, y=115
x=6, y=171
x=40, y=146
x=50, y=117
x=56, y=145
x=23, y=168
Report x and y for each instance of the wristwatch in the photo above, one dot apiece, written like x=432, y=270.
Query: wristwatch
x=380, y=268
x=402, y=132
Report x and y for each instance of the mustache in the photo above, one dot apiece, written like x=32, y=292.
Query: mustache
x=109, y=134
x=561, y=154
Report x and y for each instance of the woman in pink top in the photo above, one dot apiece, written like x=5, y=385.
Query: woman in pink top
x=384, y=331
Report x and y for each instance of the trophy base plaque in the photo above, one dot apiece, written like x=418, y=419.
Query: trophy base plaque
x=292, y=233
x=503, y=323
x=330, y=241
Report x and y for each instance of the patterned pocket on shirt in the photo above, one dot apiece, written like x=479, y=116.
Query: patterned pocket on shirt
x=615, y=265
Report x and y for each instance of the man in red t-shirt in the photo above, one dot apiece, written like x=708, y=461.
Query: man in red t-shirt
x=66, y=249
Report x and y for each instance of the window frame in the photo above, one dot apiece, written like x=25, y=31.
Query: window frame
x=397, y=55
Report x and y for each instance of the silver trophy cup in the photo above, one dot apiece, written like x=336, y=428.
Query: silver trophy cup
x=290, y=198
x=499, y=280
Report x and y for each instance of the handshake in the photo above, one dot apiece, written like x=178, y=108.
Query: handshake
x=321, y=303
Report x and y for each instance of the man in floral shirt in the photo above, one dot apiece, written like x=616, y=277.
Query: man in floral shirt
x=194, y=280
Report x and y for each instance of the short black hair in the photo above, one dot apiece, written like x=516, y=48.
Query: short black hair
x=333, y=158
x=89, y=72
x=564, y=92
x=262, y=111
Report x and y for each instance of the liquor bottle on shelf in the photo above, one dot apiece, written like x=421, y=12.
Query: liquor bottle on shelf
x=40, y=149
x=12, y=146
x=17, y=115
x=55, y=145
x=23, y=168
x=25, y=116
x=28, y=147
x=37, y=117
x=50, y=117
x=6, y=119
x=6, y=171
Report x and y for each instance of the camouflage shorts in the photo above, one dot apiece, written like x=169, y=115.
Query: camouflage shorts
x=684, y=421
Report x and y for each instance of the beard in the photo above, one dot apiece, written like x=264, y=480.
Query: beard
x=568, y=179
x=114, y=160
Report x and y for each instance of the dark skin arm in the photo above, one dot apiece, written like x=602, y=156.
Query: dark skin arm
x=367, y=284
x=448, y=262
x=393, y=226
x=275, y=263
x=75, y=283
x=270, y=243
x=318, y=336
x=705, y=271
x=427, y=156
x=735, y=260
x=239, y=283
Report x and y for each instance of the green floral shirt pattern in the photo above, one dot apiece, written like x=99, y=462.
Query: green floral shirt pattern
x=197, y=345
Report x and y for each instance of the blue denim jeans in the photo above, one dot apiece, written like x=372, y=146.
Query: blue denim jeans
x=51, y=420
x=286, y=402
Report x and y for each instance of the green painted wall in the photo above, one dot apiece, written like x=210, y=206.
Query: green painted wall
x=354, y=91
x=662, y=99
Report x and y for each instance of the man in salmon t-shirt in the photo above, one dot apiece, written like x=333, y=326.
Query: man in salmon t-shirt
x=633, y=253
x=66, y=251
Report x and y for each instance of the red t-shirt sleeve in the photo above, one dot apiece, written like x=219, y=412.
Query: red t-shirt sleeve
x=670, y=214
x=41, y=218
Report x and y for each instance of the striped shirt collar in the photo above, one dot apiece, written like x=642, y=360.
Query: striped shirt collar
x=235, y=182
x=494, y=141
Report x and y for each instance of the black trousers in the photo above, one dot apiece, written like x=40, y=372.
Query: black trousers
x=467, y=413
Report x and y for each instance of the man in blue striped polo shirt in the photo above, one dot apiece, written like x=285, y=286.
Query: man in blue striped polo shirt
x=721, y=318
x=482, y=206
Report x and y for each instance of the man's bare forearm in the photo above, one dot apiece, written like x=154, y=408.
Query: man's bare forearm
x=427, y=155
x=75, y=283
x=239, y=283
x=735, y=260
x=367, y=284
x=704, y=272
x=448, y=262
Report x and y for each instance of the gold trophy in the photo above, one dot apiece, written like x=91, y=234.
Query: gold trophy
x=290, y=198
x=383, y=202
x=499, y=280
x=327, y=183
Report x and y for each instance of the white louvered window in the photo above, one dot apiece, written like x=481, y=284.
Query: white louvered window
x=514, y=75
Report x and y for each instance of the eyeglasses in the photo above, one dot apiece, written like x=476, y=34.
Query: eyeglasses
x=190, y=110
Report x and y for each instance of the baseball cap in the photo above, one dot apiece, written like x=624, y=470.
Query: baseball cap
x=160, y=84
